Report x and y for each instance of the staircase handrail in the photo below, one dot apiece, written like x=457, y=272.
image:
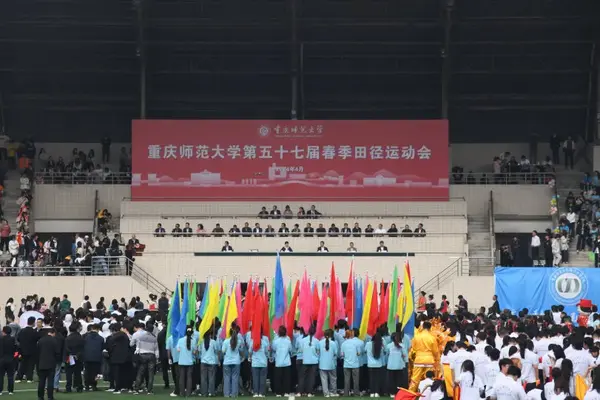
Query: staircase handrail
x=492, y=227
x=454, y=269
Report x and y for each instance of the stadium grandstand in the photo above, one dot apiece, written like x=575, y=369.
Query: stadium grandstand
x=142, y=139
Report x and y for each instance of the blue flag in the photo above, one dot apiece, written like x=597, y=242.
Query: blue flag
x=182, y=325
x=279, y=291
x=204, y=301
x=175, y=314
x=358, y=303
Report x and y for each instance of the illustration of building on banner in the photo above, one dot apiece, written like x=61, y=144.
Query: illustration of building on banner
x=277, y=173
x=205, y=178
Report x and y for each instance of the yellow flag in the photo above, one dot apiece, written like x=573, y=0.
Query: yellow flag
x=407, y=298
x=212, y=309
x=364, y=322
x=232, y=313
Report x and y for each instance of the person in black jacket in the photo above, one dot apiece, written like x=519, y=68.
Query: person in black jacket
x=27, y=339
x=74, y=346
x=163, y=355
x=92, y=356
x=120, y=358
x=7, y=353
x=49, y=355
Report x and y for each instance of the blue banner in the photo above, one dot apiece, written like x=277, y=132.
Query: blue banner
x=538, y=289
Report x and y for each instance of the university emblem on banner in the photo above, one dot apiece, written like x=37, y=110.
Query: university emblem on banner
x=264, y=131
x=568, y=286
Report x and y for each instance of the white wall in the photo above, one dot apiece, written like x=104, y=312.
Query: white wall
x=64, y=226
x=508, y=199
x=478, y=290
x=508, y=226
x=74, y=286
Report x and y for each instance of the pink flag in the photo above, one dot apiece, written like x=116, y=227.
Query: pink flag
x=322, y=313
x=340, y=312
x=305, y=304
x=238, y=300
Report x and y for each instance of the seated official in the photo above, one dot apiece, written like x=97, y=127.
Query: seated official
x=176, y=231
x=322, y=248
x=246, y=230
x=352, y=249
x=286, y=248
x=234, y=231
x=357, y=230
x=257, y=230
x=296, y=231
x=187, y=230
x=218, y=231
x=284, y=230
x=309, y=230
x=159, y=231
x=227, y=248
x=321, y=231
x=382, y=248
x=346, y=231
x=269, y=231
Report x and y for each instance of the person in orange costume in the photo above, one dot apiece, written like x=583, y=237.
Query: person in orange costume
x=424, y=355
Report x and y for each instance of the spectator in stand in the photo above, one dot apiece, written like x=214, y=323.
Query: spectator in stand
x=257, y=230
x=322, y=248
x=287, y=213
x=105, y=143
x=420, y=231
x=321, y=231
x=246, y=230
x=218, y=231
x=124, y=158
x=569, y=149
x=275, y=213
x=159, y=231
x=283, y=230
x=308, y=230
x=346, y=231
x=234, y=231
x=369, y=231
x=333, y=230
x=407, y=232
x=393, y=231
x=296, y=231
x=226, y=247
x=200, y=231
x=263, y=214
x=13, y=250
x=4, y=236
x=380, y=231
x=554, y=147
x=187, y=230
x=269, y=231
x=356, y=230
x=313, y=213
x=301, y=214
x=176, y=232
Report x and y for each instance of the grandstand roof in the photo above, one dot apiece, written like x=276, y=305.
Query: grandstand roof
x=514, y=67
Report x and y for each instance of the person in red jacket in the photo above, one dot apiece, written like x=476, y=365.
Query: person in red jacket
x=4, y=236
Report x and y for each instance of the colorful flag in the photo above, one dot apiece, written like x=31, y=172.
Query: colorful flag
x=193, y=297
x=393, y=304
x=359, y=303
x=316, y=302
x=405, y=394
x=203, y=305
x=408, y=297
x=364, y=323
x=183, y=321
x=266, y=315
x=291, y=314
x=212, y=309
x=278, y=292
x=350, y=297
x=305, y=304
x=373, y=313
x=232, y=313
x=174, y=314
x=222, y=304
x=238, y=300
x=248, y=310
x=322, y=311
x=257, y=320
x=332, y=296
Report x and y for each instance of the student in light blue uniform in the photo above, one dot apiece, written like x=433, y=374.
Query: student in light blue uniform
x=363, y=372
x=339, y=337
x=174, y=354
x=231, y=349
x=282, y=350
x=298, y=367
x=186, y=362
x=209, y=360
x=396, y=362
x=259, y=362
x=328, y=358
x=351, y=352
x=375, y=352
x=310, y=361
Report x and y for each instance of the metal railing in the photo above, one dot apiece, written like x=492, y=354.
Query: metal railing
x=447, y=274
x=516, y=178
x=96, y=269
x=205, y=235
x=491, y=222
x=74, y=178
x=137, y=273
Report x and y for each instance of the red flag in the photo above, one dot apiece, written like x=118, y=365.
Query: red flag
x=291, y=312
x=332, y=297
x=248, y=310
x=257, y=320
x=384, y=306
x=373, y=316
x=350, y=297
x=316, y=303
x=404, y=394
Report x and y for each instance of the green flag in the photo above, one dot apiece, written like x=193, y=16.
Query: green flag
x=272, y=302
x=222, y=305
x=192, y=298
x=392, y=309
x=327, y=323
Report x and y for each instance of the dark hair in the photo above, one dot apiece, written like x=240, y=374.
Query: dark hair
x=7, y=330
x=494, y=354
x=311, y=333
x=328, y=335
x=504, y=362
x=233, y=341
x=596, y=380
x=567, y=369
x=558, y=352
x=188, y=342
x=207, y=339
x=377, y=345
x=513, y=371
x=30, y=320
x=468, y=366
x=282, y=331
x=449, y=345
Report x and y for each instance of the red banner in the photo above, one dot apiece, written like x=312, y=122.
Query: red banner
x=295, y=160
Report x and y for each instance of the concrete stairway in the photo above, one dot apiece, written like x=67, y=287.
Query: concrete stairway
x=480, y=243
x=578, y=259
x=12, y=192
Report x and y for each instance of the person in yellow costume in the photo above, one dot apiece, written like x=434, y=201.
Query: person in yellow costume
x=424, y=355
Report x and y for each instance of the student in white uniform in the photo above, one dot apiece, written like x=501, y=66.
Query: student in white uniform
x=492, y=369
x=470, y=384
x=594, y=391
x=549, y=387
x=529, y=362
x=508, y=387
x=458, y=358
x=434, y=392
x=561, y=389
x=582, y=359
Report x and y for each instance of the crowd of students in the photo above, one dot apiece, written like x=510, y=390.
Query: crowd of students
x=493, y=355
